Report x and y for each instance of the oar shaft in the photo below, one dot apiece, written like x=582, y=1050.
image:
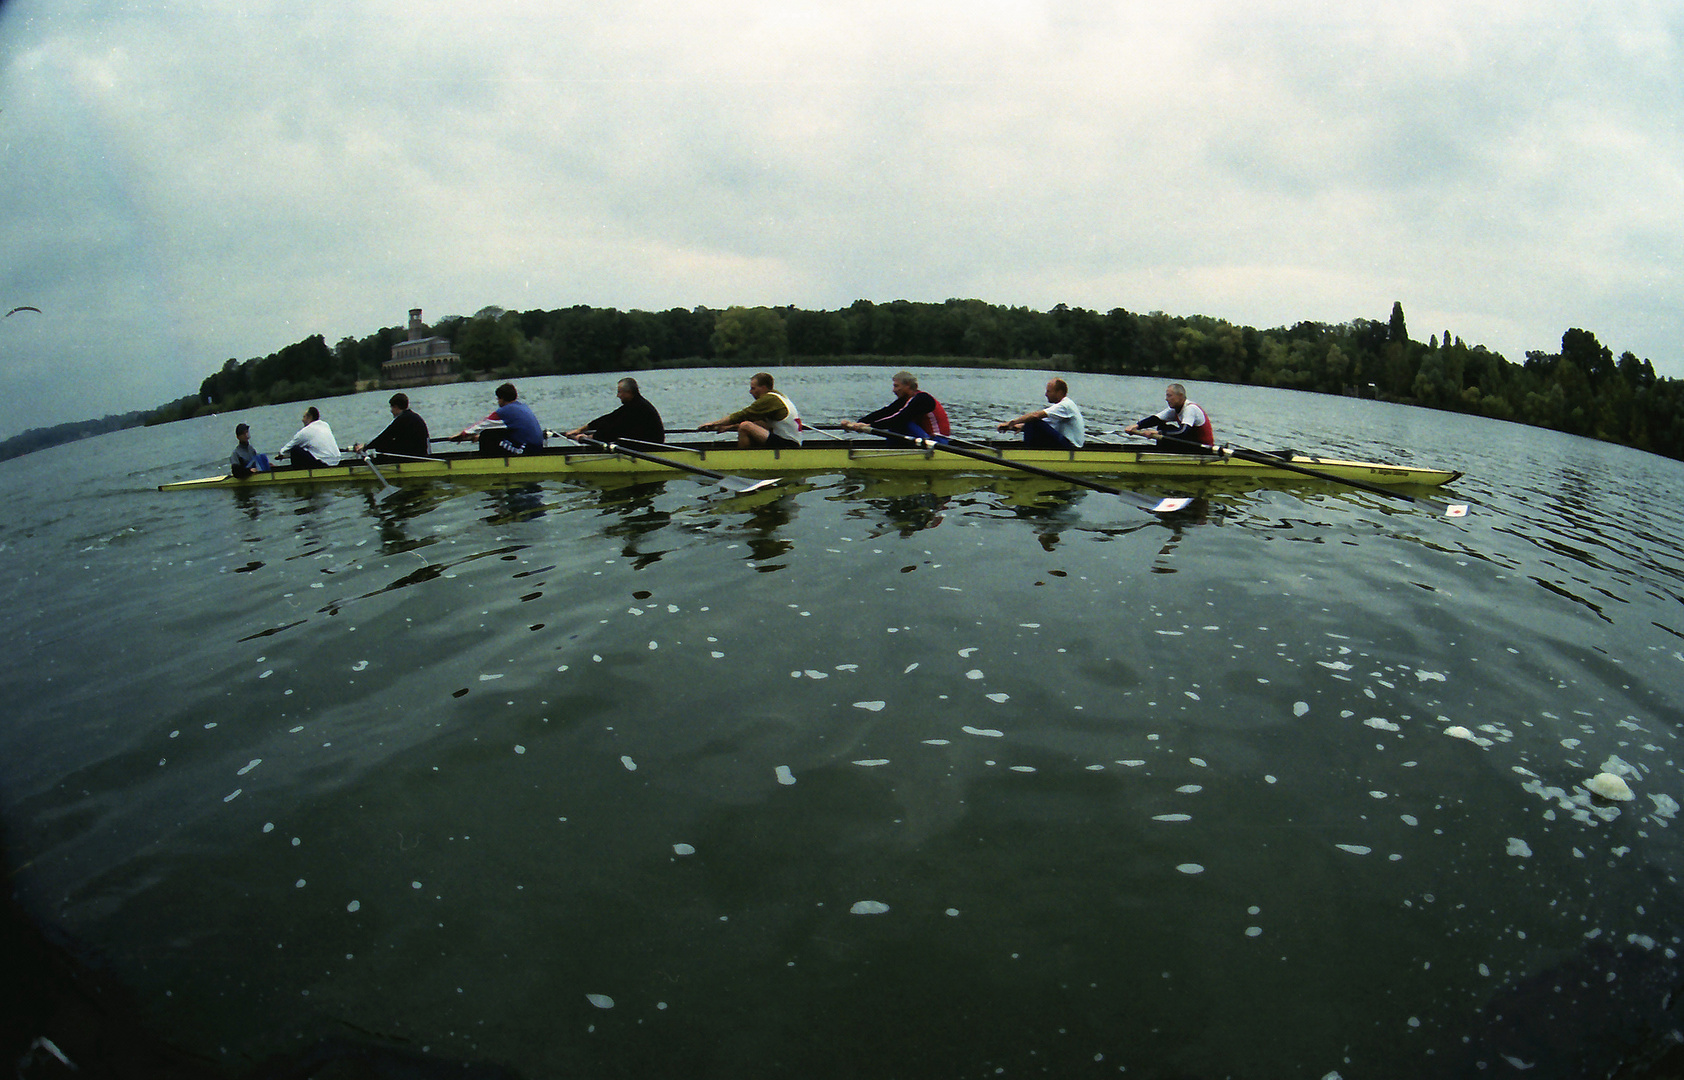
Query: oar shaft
x=1259, y=457
x=1162, y=506
x=619, y=448
x=733, y=483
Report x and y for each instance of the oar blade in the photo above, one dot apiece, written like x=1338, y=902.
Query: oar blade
x=742, y=485
x=1170, y=505
x=1456, y=510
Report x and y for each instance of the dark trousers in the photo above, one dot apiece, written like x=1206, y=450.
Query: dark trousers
x=500, y=442
x=1040, y=435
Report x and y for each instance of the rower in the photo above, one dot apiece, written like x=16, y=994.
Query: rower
x=913, y=413
x=405, y=436
x=1059, y=426
x=771, y=420
x=636, y=419
x=511, y=428
x=1183, y=423
x=314, y=446
x=245, y=459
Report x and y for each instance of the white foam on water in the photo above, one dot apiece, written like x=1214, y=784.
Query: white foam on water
x=1190, y=868
x=870, y=706
x=1030, y=625
x=1376, y=794
x=1200, y=762
x=489, y=678
x=991, y=733
x=965, y=653
x=519, y=749
x=717, y=655
x=1189, y=789
x=631, y=766
x=998, y=699
x=231, y=796
x=1253, y=931
x=1299, y=708
x=868, y=907
x=1172, y=817
x=355, y=905
x=1665, y=806
x=1354, y=849
x=1334, y=665
x=910, y=668
x=250, y=765
x=268, y=826
x=872, y=763
x=1095, y=768
x=1379, y=724
x=854, y=667
x=360, y=665
x=1409, y=819
x=974, y=673
x=683, y=849
x=1430, y=676
x=938, y=742
x=1023, y=768
x=601, y=1001
x=952, y=911
x=1191, y=694
x=1133, y=763
x=1519, y=848
x=785, y=777
x=653, y=646
x=813, y=674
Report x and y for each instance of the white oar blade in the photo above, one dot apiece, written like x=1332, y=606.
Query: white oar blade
x=742, y=485
x=1170, y=506
x=1456, y=510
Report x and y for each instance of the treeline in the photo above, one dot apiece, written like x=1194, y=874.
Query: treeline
x=41, y=438
x=1582, y=389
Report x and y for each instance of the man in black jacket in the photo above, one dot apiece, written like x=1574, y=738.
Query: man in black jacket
x=405, y=436
x=636, y=420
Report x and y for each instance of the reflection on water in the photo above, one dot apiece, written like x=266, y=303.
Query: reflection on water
x=861, y=775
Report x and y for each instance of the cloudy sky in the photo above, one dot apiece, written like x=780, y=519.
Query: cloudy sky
x=185, y=183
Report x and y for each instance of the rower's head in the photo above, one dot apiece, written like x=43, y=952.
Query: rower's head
x=1057, y=390
x=398, y=402
x=311, y=415
x=242, y=432
x=759, y=383
x=1175, y=395
x=507, y=393
x=905, y=384
x=626, y=389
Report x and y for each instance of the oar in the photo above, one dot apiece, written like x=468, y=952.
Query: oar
x=1447, y=509
x=741, y=484
x=386, y=486
x=1162, y=506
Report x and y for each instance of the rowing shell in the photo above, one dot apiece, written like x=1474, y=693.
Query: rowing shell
x=872, y=456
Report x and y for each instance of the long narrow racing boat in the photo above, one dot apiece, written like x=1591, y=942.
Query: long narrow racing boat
x=863, y=455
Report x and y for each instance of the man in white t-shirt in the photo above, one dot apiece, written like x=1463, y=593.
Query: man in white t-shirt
x=1059, y=426
x=313, y=446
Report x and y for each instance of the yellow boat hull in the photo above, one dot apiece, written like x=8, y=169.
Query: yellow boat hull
x=829, y=457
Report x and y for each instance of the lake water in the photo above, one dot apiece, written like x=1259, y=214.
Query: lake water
x=857, y=776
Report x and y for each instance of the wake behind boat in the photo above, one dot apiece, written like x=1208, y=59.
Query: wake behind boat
x=654, y=461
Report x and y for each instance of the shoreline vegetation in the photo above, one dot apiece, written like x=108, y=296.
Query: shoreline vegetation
x=1583, y=389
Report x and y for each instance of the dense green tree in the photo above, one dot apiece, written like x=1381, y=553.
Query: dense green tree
x=748, y=334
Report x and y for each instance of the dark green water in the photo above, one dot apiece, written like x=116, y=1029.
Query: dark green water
x=860, y=777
